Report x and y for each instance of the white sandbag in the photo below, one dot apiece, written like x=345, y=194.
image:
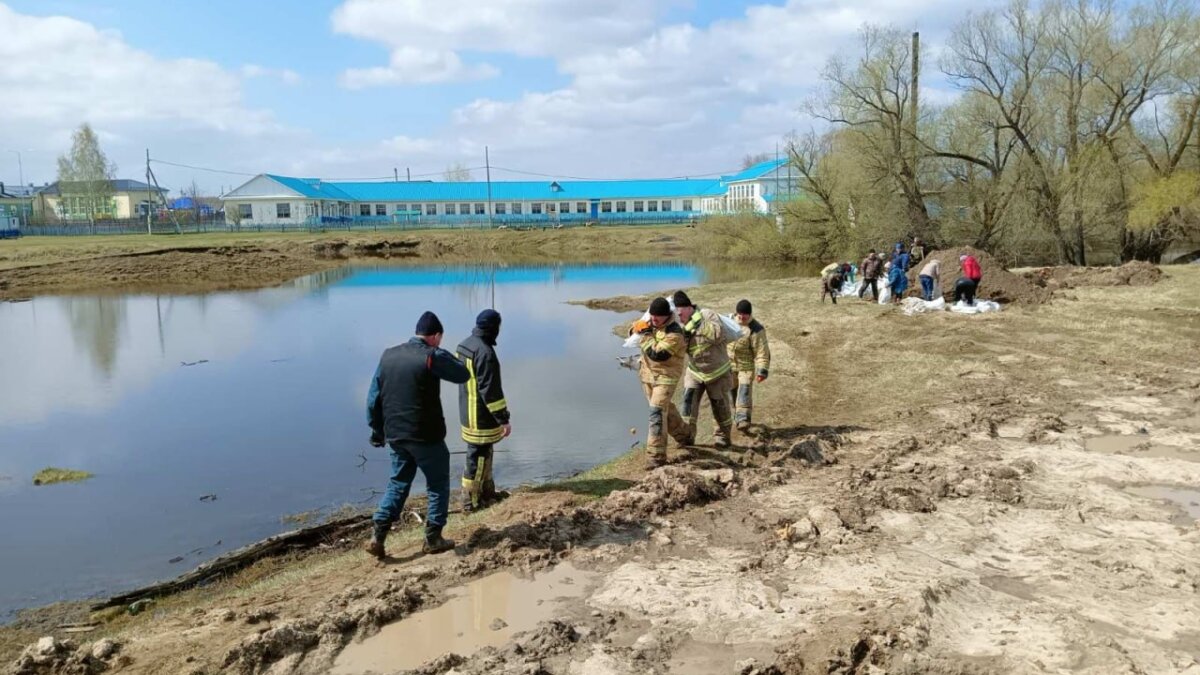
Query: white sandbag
x=980, y=307
x=730, y=329
x=914, y=306
x=885, y=294
x=849, y=288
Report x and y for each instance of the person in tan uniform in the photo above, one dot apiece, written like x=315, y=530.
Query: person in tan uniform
x=664, y=349
x=708, y=370
x=751, y=357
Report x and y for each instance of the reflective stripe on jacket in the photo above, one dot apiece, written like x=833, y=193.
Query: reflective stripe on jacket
x=482, y=407
x=750, y=352
x=707, y=355
x=663, y=353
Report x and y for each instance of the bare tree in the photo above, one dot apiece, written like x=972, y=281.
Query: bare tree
x=871, y=100
x=457, y=173
x=751, y=159
x=85, y=175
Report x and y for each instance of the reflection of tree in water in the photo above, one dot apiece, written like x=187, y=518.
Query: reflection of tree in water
x=96, y=326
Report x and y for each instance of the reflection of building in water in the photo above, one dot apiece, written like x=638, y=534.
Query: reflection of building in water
x=321, y=280
x=97, y=325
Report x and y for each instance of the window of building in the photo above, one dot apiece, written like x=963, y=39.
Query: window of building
x=479, y=209
x=581, y=207
x=516, y=208
x=536, y=207
x=564, y=207
x=283, y=210
x=621, y=207
x=450, y=209
x=606, y=207
x=364, y=209
x=431, y=209
x=687, y=205
x=464, y=209
x=246, y=211
x=501, y=207
x=666, y=205
x=639, y=206
x=652, y=205
x=381, y=209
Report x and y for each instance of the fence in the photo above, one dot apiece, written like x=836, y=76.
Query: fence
x=360, y=223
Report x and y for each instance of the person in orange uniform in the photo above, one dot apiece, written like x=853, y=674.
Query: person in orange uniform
x=664, y=350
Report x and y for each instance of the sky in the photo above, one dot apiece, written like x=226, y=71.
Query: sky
x=365, y=88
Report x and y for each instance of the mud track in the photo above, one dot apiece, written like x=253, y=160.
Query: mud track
x=923, y=495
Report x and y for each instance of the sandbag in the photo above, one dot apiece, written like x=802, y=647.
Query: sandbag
x=914, y=306
x=980, y=307
x=885, y=293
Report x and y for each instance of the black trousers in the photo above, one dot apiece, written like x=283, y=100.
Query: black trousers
x=964, y=289
x=873, y=284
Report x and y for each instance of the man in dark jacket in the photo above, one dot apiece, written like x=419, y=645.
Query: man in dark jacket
x=870, y=274
x=404, y=409
x=482, y=409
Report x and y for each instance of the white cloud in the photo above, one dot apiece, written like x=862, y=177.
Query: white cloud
x=412, y=65
x=426, y=36
x=285, y=75
x=641, y=99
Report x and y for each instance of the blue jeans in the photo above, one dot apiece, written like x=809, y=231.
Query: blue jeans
x=434, y=461
x=926, y=287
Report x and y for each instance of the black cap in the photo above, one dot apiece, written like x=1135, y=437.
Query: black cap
x=488, y=319
x=660, y=307
x=743, y=307
x=429, y=324
x=682, y=300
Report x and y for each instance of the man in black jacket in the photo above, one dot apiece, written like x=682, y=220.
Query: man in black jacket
x=404, y=409
x=482, y=409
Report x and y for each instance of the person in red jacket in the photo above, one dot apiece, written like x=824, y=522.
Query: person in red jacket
x=968, y=285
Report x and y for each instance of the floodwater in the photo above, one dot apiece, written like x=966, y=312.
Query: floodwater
x=1137, y=446
x=256, y=401
x=1187, y=500
x=483, y=613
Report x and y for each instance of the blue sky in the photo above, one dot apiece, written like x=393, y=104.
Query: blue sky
x=355, y=88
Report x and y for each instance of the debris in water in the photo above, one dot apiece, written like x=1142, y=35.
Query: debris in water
x=498, y=624
x=51, y=475
x=208, y=498
x=193, y=363
x=176, y=559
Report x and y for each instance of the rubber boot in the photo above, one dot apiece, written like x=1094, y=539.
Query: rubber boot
x=435, y=542
x=721, y=437
x=374, y=545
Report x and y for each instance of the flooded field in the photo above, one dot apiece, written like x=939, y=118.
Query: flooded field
x=207, y=419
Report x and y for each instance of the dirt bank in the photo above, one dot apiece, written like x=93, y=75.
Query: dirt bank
x=998, y=283
x=924, y=496
x=235, y=261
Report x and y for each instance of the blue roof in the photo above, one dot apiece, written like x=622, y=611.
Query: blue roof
x=755, y=171
x=477, y=191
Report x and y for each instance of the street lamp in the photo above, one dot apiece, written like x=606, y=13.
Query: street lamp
x=21, y=182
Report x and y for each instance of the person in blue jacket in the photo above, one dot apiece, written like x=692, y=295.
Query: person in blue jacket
x=404, y=410
x=897, y=281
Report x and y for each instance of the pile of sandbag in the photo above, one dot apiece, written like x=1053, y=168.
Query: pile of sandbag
x=914, y=306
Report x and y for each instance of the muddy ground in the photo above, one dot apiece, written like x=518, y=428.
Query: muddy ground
x=236, y=261
x=930, y=494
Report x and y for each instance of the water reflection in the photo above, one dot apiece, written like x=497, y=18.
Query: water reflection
x=273, y=421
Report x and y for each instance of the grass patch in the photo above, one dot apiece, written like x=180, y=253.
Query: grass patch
x=599, y=481
x=51, y=475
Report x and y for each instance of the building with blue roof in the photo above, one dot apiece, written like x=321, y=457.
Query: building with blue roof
x=269, y=199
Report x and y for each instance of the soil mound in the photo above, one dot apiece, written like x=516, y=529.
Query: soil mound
x=998, y=283
x=1133, y=273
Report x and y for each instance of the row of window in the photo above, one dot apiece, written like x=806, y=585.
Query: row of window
x=283, y=210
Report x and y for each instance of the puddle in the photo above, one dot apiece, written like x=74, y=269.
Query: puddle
x=1137, y=445
x=1187, y=499
x=706, y=658
x=468, y=621
x=1013, y=586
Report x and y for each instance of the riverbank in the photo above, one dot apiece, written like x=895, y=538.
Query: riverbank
x=198, y=263
x=938, y=493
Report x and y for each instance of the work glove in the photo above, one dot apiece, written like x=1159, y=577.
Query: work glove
x=377, y=440
x=761, y=377
x=643, y=327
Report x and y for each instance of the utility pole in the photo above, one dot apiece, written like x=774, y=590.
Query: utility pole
x=915, y=90
x=487, y=163
x=395, y=175
x=408, y=172
x=149, y=198
x=21, y=182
